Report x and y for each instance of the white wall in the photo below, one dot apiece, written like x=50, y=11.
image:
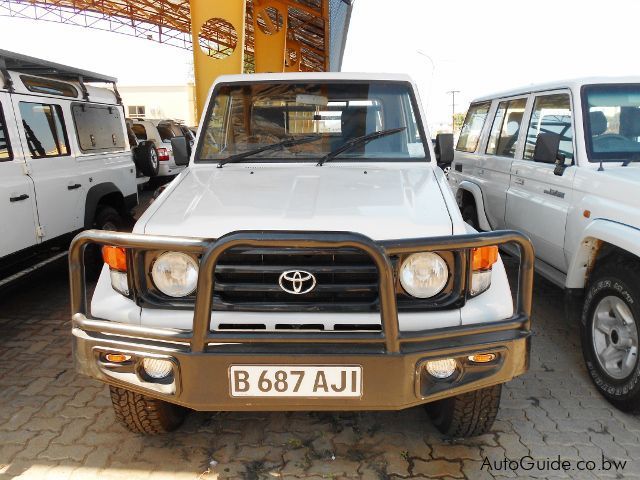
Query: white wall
x=165, y=101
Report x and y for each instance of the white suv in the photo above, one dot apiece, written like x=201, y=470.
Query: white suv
x=310, y=257
x=65, y=164
x=561, y=163
x=160, y=133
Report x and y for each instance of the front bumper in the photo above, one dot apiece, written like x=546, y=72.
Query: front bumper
x=393, y=373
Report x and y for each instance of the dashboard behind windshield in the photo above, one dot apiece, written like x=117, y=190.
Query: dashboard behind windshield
x=612, y=121
x=246, y=117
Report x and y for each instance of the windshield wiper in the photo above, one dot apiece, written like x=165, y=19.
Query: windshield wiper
x=354, y=142
x=632, y=158
x=289, y=142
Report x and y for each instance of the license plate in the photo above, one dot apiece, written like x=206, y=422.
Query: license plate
x=295, y=380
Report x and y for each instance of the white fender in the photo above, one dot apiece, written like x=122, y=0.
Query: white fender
x=475, y=190
x=622, y=236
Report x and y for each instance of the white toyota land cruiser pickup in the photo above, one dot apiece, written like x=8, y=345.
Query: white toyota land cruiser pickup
x=560, y=163
x=310, y=257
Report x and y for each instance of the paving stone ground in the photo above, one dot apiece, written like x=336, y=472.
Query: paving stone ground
x=57, y=424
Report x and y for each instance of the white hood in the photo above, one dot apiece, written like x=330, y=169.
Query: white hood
x=380, y=201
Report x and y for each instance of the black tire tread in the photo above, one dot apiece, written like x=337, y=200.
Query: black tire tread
x=468, y=414
x=627, y=269
x=142, y=414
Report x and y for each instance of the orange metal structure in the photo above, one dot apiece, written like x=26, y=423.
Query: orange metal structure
x=232, y=36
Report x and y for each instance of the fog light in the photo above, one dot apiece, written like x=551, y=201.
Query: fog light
x=441, y=368
x=480, y=282
x=117, y=357
x=157, y=368
x=482, y=357
x=119, y=282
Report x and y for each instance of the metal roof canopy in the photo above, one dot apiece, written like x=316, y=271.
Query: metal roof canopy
x=36, y=66
x=169, y=22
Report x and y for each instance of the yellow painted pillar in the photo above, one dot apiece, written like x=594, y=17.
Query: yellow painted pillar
x=208, y=16
x=270, y=46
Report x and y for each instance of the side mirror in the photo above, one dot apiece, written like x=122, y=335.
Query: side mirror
x=547, y=147
x=180, y=150
x=444, y=149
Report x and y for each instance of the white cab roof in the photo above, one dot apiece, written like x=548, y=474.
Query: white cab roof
x=571, y=84
x=313, y=76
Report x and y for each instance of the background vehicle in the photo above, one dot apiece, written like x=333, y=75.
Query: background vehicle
x=160, y=133
x=341, y=277
x=559, y=162
x=64, y=160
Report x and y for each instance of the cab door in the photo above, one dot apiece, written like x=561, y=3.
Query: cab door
x=493, y=169
x=538, y=201
x=17, y=197
x=56, y=175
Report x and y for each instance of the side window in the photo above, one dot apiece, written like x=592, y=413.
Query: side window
x=166, y=132
x=5, y=146
x=99, y=128
x=44, y=129
x=472, y=127
x=139, y=131
x=503, y=140
x=551, y=113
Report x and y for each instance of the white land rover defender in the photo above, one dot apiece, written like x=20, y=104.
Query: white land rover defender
x=310, y=257
x=65, y=164
x=561, y=163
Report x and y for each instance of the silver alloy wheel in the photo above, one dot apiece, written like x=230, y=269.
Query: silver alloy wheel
x=154, y=159
x=615, y=337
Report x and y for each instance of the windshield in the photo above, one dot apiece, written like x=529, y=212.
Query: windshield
x=247, y=117
x=612, y=120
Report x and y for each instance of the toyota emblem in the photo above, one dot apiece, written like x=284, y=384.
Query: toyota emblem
x=297, y=282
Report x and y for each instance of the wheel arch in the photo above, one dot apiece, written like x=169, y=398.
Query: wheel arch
x=601, y=239
x=469, y=191
x=106, y=193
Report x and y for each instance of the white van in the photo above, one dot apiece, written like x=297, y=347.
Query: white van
x=65, y=162
x=561, y=163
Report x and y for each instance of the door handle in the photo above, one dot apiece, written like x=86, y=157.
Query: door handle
x=74, y=186
x=481, y=171
x=24, y=196
x=519, y=181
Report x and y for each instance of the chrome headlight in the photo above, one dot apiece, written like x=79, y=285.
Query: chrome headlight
x=424, y=275
x=175, y=274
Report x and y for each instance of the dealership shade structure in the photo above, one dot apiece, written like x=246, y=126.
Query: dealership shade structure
x=231, y=36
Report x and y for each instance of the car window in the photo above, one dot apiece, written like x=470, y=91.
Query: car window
x=472, y=127
x=552, y=114
x=324, y=115
x=503, y=140
x=44, y=130
x=611, y=115
x=139, y=130
x=166, y=132
x=5, y=146
x=99, y=128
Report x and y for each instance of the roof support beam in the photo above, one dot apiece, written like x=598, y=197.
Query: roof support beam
x=208, y=68
x=270, y=48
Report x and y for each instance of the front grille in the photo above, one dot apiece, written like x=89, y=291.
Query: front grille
x=248, y=279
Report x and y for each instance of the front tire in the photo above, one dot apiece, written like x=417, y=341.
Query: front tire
x=466, y=415
x=609, y=330
x=470, y=215
x=142, y=414
x=107, y=218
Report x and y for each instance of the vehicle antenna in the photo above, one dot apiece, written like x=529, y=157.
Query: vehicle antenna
x=601, y=169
